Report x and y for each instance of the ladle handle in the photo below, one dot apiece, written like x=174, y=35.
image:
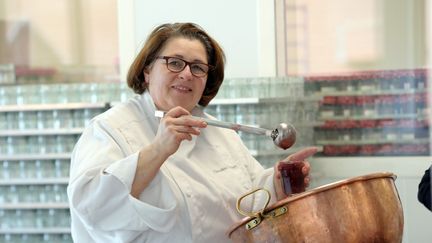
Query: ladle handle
x=229, y=125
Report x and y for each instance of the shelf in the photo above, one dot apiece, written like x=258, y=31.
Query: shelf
x=44, y=107
x=373, y=117
x=371, y=92
x=17, y=157
x=59, y=230
x=270, y=152
x=374, y=141
x=241, y=101
x=278, y=152
x=47, y=205
x=34, y=181
x=295, y=124
x=309, y=124
x=37, y=132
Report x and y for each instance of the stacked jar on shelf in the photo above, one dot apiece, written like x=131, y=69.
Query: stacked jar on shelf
x=372, y=113
x=39, y=125
x=34, y=169
x=7, y=74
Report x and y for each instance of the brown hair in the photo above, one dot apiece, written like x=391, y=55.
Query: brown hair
x=156, y=41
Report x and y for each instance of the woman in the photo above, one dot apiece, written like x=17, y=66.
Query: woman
x=135, y=178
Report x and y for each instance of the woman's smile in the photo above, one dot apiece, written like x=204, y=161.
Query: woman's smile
x=181, y=88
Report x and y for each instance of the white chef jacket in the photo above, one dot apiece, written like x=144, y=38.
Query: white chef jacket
x=191, y=199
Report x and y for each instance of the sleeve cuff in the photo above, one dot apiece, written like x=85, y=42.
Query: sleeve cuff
x=124, y=169
x=266, y=181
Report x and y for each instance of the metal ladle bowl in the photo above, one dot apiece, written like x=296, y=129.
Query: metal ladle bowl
x=284, y=136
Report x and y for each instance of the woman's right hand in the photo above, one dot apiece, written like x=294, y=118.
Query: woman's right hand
x=177, y=125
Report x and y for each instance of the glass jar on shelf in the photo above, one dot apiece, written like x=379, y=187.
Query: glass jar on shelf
x=368, y=82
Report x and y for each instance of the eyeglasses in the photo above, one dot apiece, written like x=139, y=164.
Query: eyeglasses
x=176, y=65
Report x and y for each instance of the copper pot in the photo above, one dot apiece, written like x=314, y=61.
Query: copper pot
x=361, y=209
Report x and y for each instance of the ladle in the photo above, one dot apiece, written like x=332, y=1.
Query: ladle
x=284, y=136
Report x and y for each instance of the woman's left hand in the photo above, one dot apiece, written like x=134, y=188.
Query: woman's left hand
x=299, y=156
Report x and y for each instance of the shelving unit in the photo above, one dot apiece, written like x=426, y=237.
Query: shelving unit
x=34, y=168
x=372, y=113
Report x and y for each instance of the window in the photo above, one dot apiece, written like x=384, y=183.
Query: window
x=340, y=36
x=58, y=41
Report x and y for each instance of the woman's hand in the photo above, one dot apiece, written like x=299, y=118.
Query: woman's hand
x=298, y=157
x=177, y=125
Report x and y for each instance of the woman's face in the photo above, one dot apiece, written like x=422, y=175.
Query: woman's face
x=169, y=89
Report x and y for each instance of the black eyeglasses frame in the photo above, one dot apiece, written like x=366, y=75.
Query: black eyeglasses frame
x=166, y=58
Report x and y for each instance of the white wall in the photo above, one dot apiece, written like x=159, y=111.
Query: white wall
x=244, y=29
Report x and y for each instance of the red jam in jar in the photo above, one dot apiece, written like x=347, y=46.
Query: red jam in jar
x=292, y=177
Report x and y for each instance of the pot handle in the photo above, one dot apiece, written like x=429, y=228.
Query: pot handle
x=259, y=213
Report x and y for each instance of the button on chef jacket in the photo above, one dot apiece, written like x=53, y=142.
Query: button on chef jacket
x=191, y=199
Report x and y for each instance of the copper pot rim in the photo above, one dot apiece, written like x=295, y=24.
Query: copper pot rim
x=316, y=190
